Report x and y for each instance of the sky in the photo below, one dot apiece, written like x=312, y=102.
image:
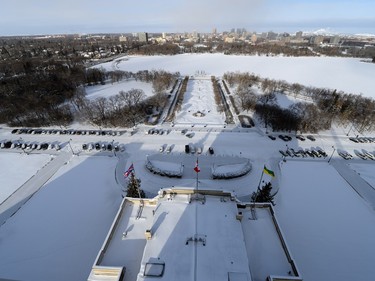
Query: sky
x=36, y=17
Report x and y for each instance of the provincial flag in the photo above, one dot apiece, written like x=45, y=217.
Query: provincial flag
x=128, y=171
x=196, y=168
x=268, y=172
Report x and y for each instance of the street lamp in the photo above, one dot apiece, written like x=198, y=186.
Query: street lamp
x=114, y=151
x=334, y=149
x=71, y=146
x=350, y=129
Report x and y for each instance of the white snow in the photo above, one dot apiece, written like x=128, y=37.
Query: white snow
x=108, y=90
x=287, y=100
x=344, y=74
x=199, y=97
x=56, y=235
x=330, y=230
x=366, y=171
x=16, y=169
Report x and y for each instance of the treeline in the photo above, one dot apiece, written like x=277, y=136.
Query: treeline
x=322, y=108
x=156, y=49
x=126, y=108
x=264, y=49
x=38, y=92
x=160, y=79
x=220, y=100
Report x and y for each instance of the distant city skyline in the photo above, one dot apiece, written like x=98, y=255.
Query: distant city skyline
x=38, y=17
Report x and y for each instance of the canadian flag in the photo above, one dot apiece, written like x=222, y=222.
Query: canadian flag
x=196, y=168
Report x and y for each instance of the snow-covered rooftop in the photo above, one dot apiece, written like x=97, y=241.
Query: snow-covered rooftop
x=185, y=235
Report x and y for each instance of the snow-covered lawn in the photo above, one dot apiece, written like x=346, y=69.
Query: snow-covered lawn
x=16, y=169
x=199, y=97
x=344, y=74
x=330, y=230
x=57, y=234
x=108, y=90
x=285, y=101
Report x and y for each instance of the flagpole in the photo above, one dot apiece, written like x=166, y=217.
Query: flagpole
x=197, y=175
x=261, y=178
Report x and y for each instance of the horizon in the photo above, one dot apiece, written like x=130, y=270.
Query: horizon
x=318, y=31
x=41, y=17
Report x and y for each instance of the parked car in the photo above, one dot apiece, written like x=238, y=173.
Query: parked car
x=345, y=155
x=272, y=137
x=169, y=149
x=184, y=131
x=302, y=138
x=310, y=137
x=210, y=150
x=187, y=148
x=109, y=147
x=84, y=146
x=97, y=146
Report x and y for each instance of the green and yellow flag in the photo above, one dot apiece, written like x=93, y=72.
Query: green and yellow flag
x=268, y=172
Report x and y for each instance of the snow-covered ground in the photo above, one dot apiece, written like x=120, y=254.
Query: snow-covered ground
x=285, y=101
x=56, y=234
x=108, y=90
x=84, y=196
x=330, y=230
x=344, y=74
x=365, y=171
x=199, y=97
x=16, y=169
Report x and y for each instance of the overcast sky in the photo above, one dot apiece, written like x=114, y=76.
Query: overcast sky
x=28, y=17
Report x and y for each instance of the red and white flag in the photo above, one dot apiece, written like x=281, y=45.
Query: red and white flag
x=196, y=168
x=128, y=172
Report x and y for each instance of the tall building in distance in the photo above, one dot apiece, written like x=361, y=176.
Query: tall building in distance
x=214, y=31
x=143, y=37
x=335, y=40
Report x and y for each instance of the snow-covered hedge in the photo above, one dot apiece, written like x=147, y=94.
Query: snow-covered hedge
x=165, y=168
x=230, y=171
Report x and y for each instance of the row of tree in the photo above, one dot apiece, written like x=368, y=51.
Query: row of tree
x=322, y=108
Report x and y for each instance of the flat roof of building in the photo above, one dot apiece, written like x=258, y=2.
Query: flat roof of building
x=182, y=235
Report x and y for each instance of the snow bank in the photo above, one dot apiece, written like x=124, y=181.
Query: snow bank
x=168, y=169
x=230, y=171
